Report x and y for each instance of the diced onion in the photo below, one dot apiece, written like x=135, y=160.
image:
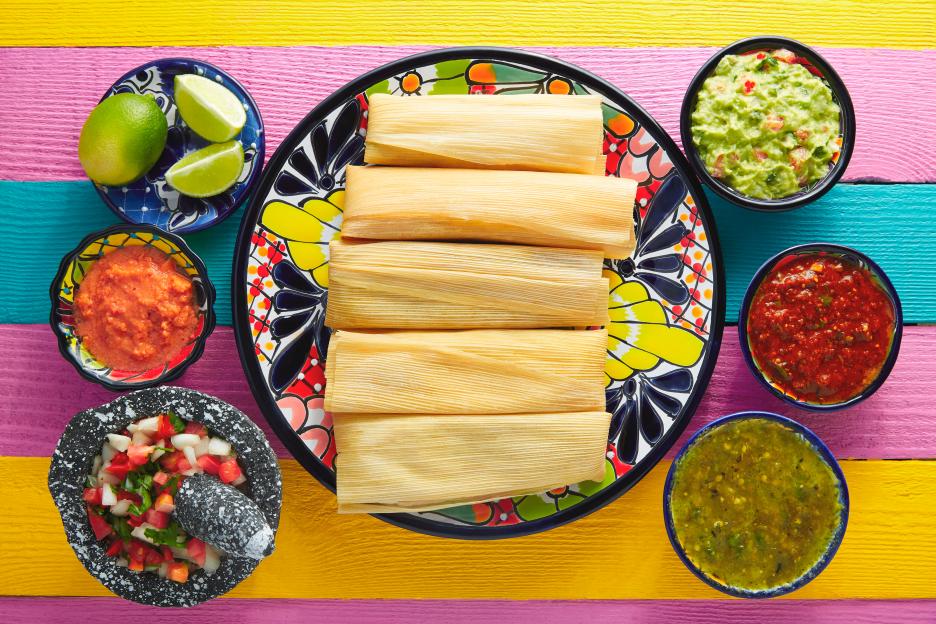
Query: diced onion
x=141, y=439
x=96, y=465
x=108, y=478
x=182, y=440
x=140, y=532
x=119, y=442
x=217, y=446
x=190, y=455
x=107, y=453
x=121, y=562
x=212, y=560
x=202, y=447
x=148, y=425
x=132, y=428
x=108, y=497
x=180, y=553
x=163, y=568
x=239, y=480
x=121, y=508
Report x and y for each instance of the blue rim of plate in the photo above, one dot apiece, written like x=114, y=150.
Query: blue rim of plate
x=192, y=214
x=207, y=287
x=239, y=297
x=877, y=274
x=836, y=541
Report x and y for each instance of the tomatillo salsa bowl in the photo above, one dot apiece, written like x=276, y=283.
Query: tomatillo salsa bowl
x=72, y=271
x=826, y=335
x=817, y=66
x=766, y=447
x=83, y=439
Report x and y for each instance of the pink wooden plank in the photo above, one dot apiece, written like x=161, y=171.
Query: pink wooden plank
x=47, y=93
x=84, y=610
x=894, y=423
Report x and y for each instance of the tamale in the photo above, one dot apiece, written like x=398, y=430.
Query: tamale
x=480, y=371
x=524, y=132
x=417, y=285
x=399, y=462
x=525, y=207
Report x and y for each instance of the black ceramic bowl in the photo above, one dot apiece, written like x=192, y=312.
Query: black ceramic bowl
x=74, y=267
x=853, y=256
x=82, y=440
x=817, y=65
x=834, y=543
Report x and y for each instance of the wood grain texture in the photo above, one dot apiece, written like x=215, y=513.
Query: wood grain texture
x=893, y=93
x=905, y=24
x=298, y=611
x=880, y=220
x=619, y=552
x=889, y=425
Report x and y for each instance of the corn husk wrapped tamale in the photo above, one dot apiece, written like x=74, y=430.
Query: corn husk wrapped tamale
x=524, y=207
x=522, y=132
x=406, y=462
x=481, y=371
x=419, y=285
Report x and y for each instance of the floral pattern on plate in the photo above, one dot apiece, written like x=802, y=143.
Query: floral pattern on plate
x=665, y=302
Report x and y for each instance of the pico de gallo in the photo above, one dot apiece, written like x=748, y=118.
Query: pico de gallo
x=820, y=328
x=131, y=487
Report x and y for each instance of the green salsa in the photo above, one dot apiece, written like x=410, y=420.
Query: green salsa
x=765, y=125
x=753, y=504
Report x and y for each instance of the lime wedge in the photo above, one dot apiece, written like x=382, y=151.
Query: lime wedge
x=210, y=109
x=209, y=171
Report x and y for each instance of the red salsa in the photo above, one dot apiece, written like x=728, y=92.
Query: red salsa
x=820, y=328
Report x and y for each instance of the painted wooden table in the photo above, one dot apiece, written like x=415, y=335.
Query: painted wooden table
x=613, y=565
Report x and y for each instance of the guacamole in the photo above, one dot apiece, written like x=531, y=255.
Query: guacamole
x=753, y=504
x=765, y=125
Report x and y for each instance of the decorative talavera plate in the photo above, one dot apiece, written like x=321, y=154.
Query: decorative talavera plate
x=667, y=301
x=150, y=200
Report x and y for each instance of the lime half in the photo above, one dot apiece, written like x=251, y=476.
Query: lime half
x=209, y=171
x=122, y=138
x=210, y=109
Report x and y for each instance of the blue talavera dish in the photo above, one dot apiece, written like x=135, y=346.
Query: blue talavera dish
x=834, y=543
x=150, y=200
x=850, y=255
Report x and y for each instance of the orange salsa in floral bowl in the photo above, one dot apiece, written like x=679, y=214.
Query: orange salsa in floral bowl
x=820, y=326
x=131, y=307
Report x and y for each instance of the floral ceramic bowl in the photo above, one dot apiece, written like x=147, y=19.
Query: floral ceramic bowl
x=827, y=457
x=150, y=200
x=878, y=277
x=82, y=440
x=75, y=266
x=816, y=65
x=665, y=322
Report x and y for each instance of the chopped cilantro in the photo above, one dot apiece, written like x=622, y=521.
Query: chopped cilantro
x=171, y=536
x=121, y=527
x=177, y=423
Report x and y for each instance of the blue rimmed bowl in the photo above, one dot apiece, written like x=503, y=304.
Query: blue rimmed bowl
x=816, y=65
x=150, y=200
x=834, y=543
x=850, y=255
x=71, y=273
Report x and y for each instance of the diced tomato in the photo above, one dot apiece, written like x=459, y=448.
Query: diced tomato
x=160, y=478
x=170, y=461
x=167, y=553
x=165, y=429
x=196, y=428
x=137, y=550
x=99, y=525
x=164, y=503
x=139, y=454
x=134, y=520
x=120, y=458
x=177, y=572
x=115, y=548
x=196, y=550
x=183, y=465
x=119, y=466
x=130, y=496
x=158, y=519
x=92, y=496
x=209, y=463
x=153, y=557
x=136, y=566
x=229, y=471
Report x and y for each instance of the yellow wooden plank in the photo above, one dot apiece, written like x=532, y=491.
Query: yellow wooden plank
x=846, y=23
x=616, y=553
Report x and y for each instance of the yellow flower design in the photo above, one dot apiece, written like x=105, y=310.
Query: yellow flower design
x=639, y=335
x=307, y=230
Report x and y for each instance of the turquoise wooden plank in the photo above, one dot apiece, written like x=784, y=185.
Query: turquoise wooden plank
x=883, y=221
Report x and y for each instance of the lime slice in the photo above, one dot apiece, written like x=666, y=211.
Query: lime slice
x=122, y=138
x=209, y=171
x=210, y=109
